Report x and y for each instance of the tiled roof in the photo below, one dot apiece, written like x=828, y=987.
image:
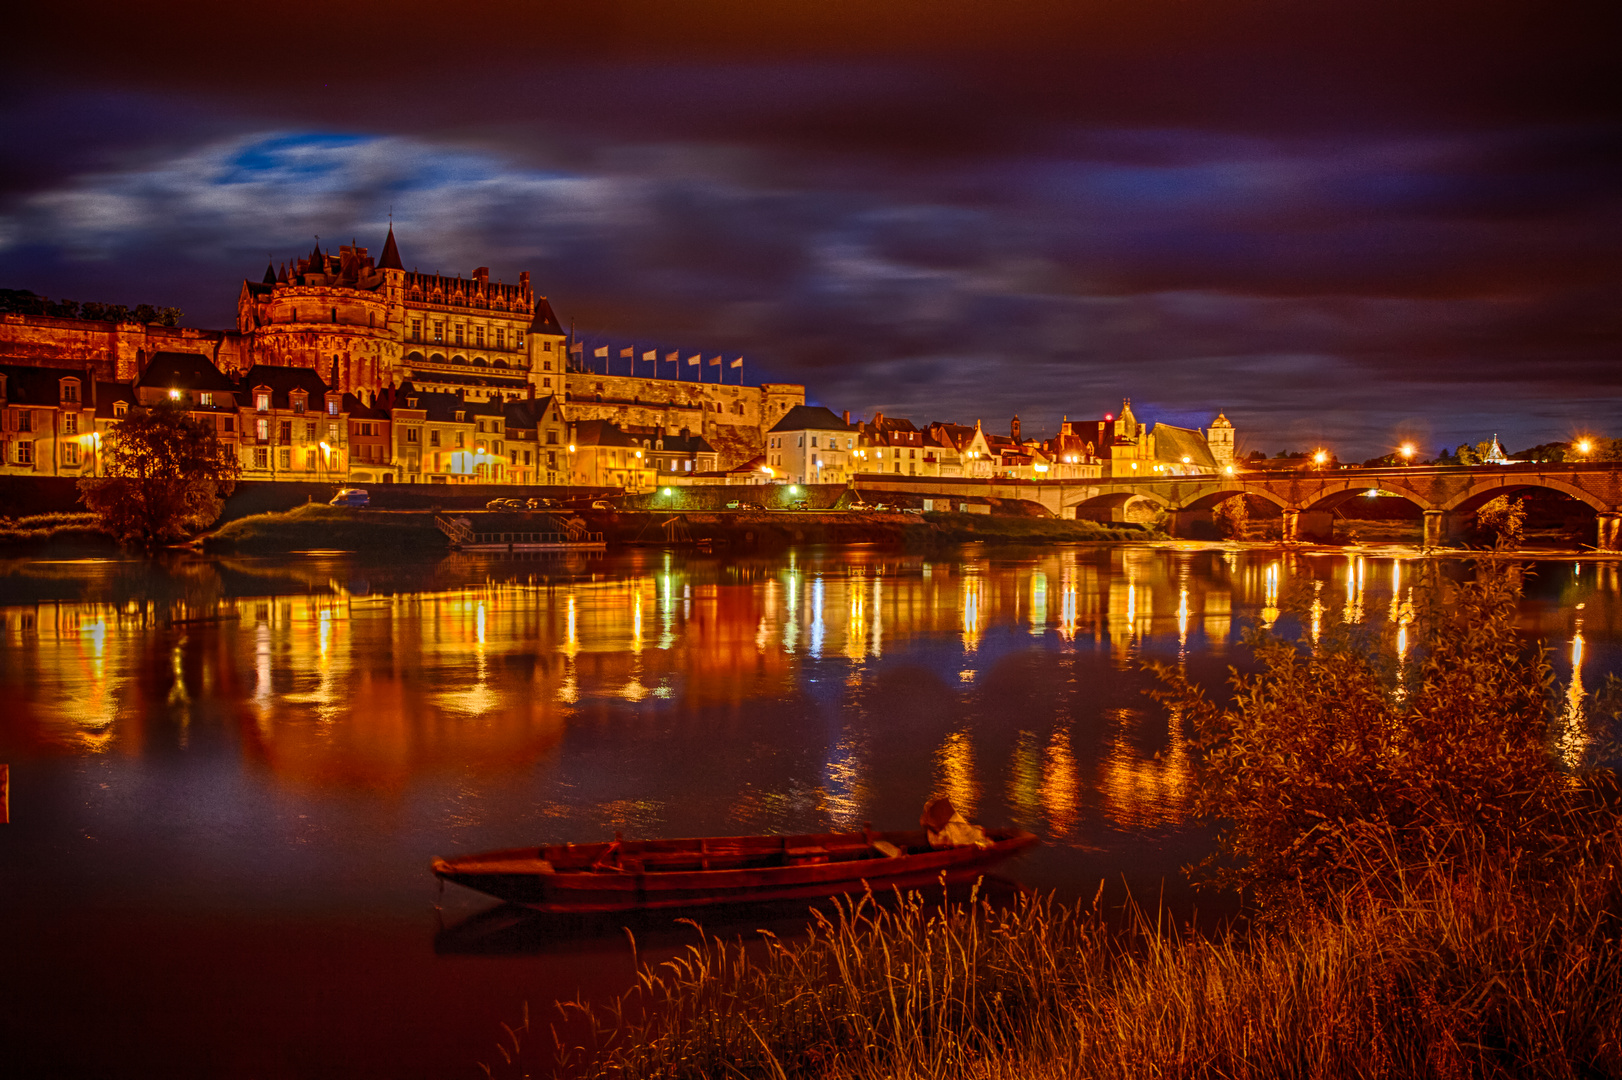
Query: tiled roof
x=184, y=371
x=1175, y=443
x=811, y=418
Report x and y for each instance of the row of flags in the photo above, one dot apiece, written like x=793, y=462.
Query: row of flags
x=602, y=352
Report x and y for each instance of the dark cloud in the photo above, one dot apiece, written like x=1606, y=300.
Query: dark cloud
x=1335, y=220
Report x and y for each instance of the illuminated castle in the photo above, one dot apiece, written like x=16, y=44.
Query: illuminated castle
x=366, y=326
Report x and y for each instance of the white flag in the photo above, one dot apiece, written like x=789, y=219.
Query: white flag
x=650, y=355
x=691, y=360
x=738, y=362
x=602, y=351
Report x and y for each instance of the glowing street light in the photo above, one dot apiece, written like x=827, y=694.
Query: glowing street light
x=1320, y=458
x=1407, y=452
x=1229, y=470
x=1585, y=446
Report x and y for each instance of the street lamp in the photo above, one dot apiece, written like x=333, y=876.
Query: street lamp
x=1585, y=446
x=1407, y=452
x=1320, y=458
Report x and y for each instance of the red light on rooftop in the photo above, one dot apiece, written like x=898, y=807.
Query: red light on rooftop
x=1109, y=416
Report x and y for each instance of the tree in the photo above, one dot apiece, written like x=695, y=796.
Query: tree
x=1338, y=753
x=167, y=475
x=1505, y=519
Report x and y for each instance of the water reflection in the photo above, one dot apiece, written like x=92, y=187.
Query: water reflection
x=660, y=692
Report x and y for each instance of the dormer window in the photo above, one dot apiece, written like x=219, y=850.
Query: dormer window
x=300, y=402
x=70, y=390
x=261, y=400
x=460, y=414
x=120, y=408
x=205, y=398
x=411, y=403
x=332, y=406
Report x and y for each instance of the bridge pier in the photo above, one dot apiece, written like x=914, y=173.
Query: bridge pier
x=1442, y=526
x=1610, y=531
x=1192, y=524
x=1310, y=526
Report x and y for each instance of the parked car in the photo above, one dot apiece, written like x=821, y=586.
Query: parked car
x=542, y=504
x=356, y=497
x=504, y=504
x=744, y=504
x=803, y=504
x=600, y=504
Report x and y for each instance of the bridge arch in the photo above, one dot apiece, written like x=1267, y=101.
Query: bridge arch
x=1122, y=506
x=1491, y=488
x=1209, y=499
x=1337, y=493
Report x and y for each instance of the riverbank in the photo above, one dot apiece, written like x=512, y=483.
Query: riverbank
x=320, y=527
x=59, y=535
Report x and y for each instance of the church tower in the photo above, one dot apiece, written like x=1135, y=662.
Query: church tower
x=1220, y=439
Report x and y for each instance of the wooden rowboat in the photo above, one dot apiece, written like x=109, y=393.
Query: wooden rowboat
x=639, y=874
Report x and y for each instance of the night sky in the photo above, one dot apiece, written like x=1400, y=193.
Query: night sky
x=1346, y=223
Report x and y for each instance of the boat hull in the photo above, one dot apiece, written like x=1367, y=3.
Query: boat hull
x=724, y=870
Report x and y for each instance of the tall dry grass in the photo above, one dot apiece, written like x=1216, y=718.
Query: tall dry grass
x=1479, y=965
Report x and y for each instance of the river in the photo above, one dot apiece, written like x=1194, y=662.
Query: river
x=228, y=776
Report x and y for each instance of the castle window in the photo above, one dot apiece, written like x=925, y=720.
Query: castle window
x=547, y=383
x=262, y=430
x=284, y=459
x=478, y=334
x=411, y=435
x=459, y=333
x=458, y=440
x=546, y=346
x=261, y=457
x=416, y=329
x=433, y=437
x=519, y=336
x=309, y=461
x=309, y=431
x=501, y=338
x=70, y=423
x=439, y=332
x=286, y=434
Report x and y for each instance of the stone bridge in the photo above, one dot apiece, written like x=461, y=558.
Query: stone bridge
x=1448, y=497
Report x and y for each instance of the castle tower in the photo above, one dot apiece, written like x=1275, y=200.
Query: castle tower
x=1220, y=439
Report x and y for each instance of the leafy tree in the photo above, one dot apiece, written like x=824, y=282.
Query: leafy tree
x=167, y=476
x=1505, y=519
x=1335, y=756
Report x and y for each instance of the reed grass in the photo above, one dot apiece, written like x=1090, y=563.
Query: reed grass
x=40, y=530
x=1481, y=965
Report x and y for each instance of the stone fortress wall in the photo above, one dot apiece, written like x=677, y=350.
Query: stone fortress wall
x=733, y=419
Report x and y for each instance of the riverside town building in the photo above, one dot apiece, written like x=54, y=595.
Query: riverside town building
x=347, y=369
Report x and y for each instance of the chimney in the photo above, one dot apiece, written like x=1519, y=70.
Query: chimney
x=846, y=414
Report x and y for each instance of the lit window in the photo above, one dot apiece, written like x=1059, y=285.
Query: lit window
x=332, y=406
x=261, y=402
x=205, y=399
x=70, y=423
